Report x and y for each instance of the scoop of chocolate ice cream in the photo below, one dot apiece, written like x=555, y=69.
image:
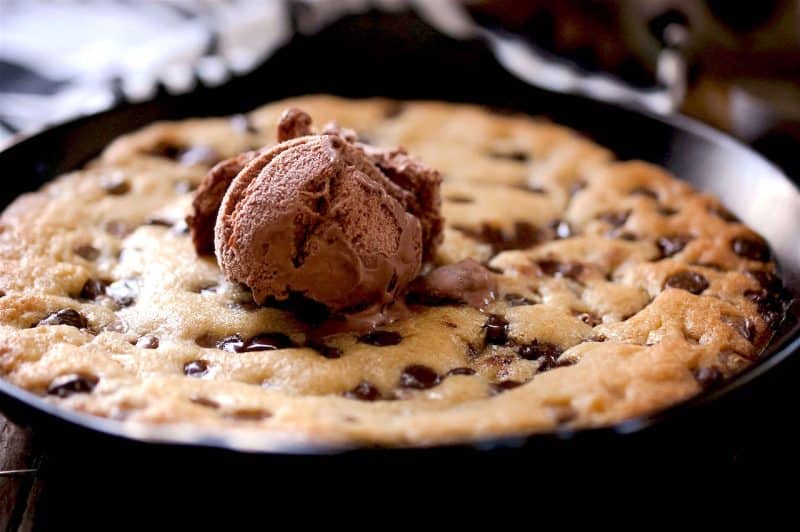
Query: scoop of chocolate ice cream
x=320, y=216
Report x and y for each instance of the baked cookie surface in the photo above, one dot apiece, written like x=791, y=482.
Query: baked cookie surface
x=621, y=290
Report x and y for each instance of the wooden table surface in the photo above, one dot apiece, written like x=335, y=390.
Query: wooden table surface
x=19, y=487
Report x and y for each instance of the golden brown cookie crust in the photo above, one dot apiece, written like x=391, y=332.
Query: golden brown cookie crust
x=621, y=290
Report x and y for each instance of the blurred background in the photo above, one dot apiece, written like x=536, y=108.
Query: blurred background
x=734, y=64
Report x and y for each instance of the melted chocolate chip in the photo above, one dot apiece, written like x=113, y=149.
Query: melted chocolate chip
x=644, y=191
x=667, y=211
x=266, y=342
x=687, y=280
x=630, y=237
x=195, y=368
x=204, y=401
x=616, y=219
x=589, y=319
x=670, y=245
x=159, y=222
x=231, y=344
x=753, y=248
x=504, y=386
x=707, y=377
x=767, y=280
x=517, y=300
x=116, y=187
x=364, y=391
x=496, y=328
x=66, y=316
x=147, y=342
x=118, y=228
x=515, y=155
x=771, y=304
x=741, y=325
x=123, y=292
x=87, y=252
x=536, y=350
x=460, y=371
x=72, y=383
x=571, y=270
x=525, y=235
x=419, y=377
x=92, y=289
x=328, y=351
x=380, y=338
x=457, y=198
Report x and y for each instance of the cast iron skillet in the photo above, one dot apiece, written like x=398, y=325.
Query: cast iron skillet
x=404, y=58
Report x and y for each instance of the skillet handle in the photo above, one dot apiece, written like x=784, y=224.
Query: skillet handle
x=533, y=66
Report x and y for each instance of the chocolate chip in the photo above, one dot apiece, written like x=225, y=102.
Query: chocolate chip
x=771, y=304
x=380, y=338
x=147, y=342
x=87, y=252
x=242, y=124
x=670, y=245
x=687, y=280
x=616, y=219
x=722, y=212
x=707, y=377
x=266, y=342
x=460, y=371
x=589, y=319
x=66, y=316
x=92, y=289
x=767, y=280
x=206, y=340
x=160, y=222
x=504, y=386
x=394, y=109
x=524, y=236
x=514, y=155
x=536, y=350
x=419, y=377
x=667, y=211
x=364, y=391
x=204, y=401
x=231, y=344
x=116, y=186
x=570, y=270
x=741, y=325
x=2, y=293
x=517, y=300
x=561, y=229
x=123, y=292
x=630, y=237
x=249, y=414
x=457, y=198
x=644, y=191
x=118, y=228
x=328, y=351
x=496, y=330
x=753, y=248
x=72, y=383
x=195, y=368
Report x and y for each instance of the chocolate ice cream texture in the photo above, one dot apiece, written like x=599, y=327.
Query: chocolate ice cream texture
x=325, y=218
